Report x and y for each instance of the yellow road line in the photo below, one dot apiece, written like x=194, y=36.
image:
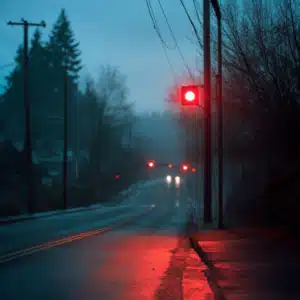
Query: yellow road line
x=51, y=244
x=58, y=242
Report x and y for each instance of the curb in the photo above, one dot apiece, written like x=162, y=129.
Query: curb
x=211, y=272
x=50, y=214
x=56, y=213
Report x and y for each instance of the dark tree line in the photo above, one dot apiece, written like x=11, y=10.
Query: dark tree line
x=261, y=63
x=100, y=122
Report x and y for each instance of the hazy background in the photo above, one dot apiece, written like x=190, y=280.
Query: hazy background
x=115, y=32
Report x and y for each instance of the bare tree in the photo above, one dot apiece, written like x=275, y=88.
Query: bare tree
x=111, y=87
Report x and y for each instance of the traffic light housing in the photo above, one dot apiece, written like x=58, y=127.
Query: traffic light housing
x=184, y=167
x=151, y=164
x=190, y=95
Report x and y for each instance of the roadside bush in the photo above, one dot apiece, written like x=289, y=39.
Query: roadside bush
x=281, y=205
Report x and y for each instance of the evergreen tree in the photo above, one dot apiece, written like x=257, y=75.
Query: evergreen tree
x=63, y=53
x=64, y=47
x=40, y=104
x=88, y=115
x=13, y=99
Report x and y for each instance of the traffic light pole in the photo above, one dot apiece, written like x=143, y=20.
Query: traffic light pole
x=207, y=190
x=28, y=142
x=220, y=129
x=207, y=115
x=216, y=7
x=66, y=115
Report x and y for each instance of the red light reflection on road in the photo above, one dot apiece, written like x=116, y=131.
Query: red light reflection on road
x=145, y=267
x=135, y=267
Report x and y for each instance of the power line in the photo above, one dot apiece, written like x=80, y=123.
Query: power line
x=164, y=44
x=154, y=22
x=174, y=39
x=191, y=21
x=170, y=63
x=197, y=12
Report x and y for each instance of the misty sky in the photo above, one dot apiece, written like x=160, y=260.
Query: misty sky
x=113, y=32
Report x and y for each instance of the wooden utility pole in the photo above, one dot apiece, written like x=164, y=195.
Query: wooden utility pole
x=130, y=135
x=217, y=10
x=27, y=142
x=66, y=120
x=207, y=190
x=220, y=130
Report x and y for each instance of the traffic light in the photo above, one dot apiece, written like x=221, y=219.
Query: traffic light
x=190, y=95
x=170, y=166
x=184, y=167
x=151, y=163
x=117, y=176
x=193, y=170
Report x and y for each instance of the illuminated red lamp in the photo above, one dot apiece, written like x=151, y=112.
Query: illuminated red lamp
x=190, y=95
x=151, y=163
x=185, y=167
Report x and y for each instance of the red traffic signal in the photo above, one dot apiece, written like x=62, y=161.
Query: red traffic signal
x=151, y=163
x=170, y=166
x=190, y=95
x=117, y=176
x=184, y=167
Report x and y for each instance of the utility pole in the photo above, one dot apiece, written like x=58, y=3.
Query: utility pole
x=220, y=129
x=130, y=135
x=207, y=191
x=77, y=135
x=27, y=142
x=66, y=117
x=216, y=6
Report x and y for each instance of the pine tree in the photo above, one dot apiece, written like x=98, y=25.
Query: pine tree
x=38, y=57
x=64, y=47
x=41, y=105
x=88, y=115
x=13, y=98
x=17, y=73
x=63, y=53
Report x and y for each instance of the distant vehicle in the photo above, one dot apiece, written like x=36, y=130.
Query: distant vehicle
x=169, y=179
x=176, y=180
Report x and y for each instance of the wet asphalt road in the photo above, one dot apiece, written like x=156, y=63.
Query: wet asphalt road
x=137, y=260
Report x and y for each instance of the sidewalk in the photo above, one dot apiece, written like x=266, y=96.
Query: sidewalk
x=242, y=264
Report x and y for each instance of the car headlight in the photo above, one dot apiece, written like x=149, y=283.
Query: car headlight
x=177, y=180
x=169, y=179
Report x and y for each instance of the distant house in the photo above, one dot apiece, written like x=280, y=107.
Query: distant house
x=13, y=165
x=48, y=159
x=54, y=164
